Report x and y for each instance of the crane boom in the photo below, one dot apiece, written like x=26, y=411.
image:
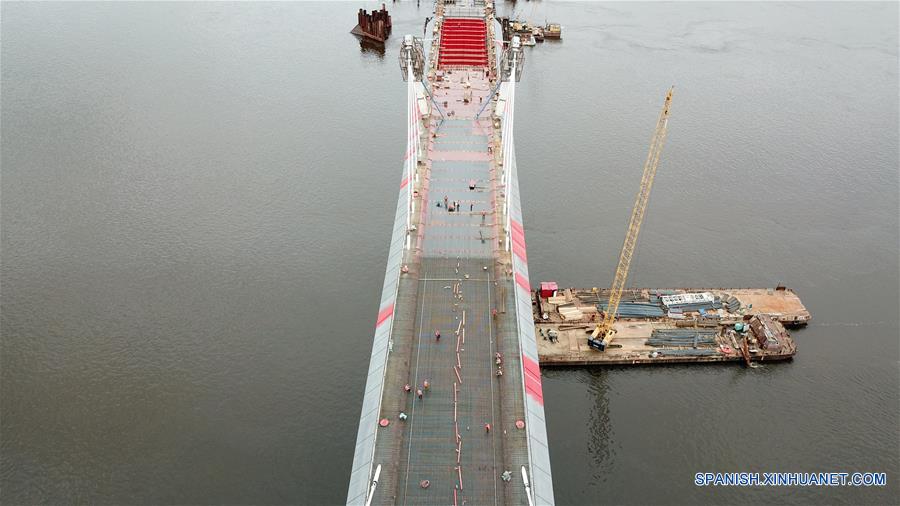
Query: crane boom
x=605, y=329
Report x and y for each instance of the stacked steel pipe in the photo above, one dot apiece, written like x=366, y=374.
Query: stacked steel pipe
x=682, y=337
x=634, y=309
x=732, y=305
x=376, y=25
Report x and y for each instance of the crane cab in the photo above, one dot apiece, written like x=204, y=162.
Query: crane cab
x=596, y=344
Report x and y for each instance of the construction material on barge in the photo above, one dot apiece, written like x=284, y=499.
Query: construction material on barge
x=527, y=31
x=657, y=326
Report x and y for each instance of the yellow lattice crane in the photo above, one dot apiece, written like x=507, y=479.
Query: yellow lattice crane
x=605, y=330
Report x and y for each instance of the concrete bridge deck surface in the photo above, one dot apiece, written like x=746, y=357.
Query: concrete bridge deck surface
x=458, y=279
x=456, y=288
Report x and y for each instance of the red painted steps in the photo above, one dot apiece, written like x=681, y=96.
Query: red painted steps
x=463, y=43
x=477, y=45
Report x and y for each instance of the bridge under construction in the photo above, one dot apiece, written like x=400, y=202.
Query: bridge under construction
x=453, y=409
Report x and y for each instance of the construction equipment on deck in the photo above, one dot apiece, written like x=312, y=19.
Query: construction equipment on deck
x=603, y=334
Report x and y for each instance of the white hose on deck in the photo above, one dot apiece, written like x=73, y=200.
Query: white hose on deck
x=375, y=483
x=527, y=487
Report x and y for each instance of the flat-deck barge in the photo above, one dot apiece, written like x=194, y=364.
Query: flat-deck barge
x=664, y=326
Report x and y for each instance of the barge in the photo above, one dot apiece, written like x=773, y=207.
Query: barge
x=664, y=326
x=528, y=32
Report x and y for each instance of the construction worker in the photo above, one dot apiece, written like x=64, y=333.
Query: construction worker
x=437, y=335
x=487, y=427
x=407, y=388
x=419, y=393
x=425, y=384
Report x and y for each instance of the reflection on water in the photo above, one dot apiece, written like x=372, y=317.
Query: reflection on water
x=372, y=46
x=600, y=428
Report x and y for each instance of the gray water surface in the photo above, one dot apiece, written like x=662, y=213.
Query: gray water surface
x=197, y=201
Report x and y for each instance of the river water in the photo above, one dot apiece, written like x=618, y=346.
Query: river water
x=197, y=201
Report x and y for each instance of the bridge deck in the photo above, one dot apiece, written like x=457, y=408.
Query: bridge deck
x=455, y=287
x=459, y=281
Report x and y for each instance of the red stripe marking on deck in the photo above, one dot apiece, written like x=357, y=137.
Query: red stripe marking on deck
x=519, y=250
x=384, y=314
x=459, y=156
x=516, y=226
x=518, y=238
x=403, y=183
x=533, y=379
x=523, y=282
x=531, y=366
x=517, y=235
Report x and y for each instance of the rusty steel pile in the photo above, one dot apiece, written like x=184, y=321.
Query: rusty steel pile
x=375, y=26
